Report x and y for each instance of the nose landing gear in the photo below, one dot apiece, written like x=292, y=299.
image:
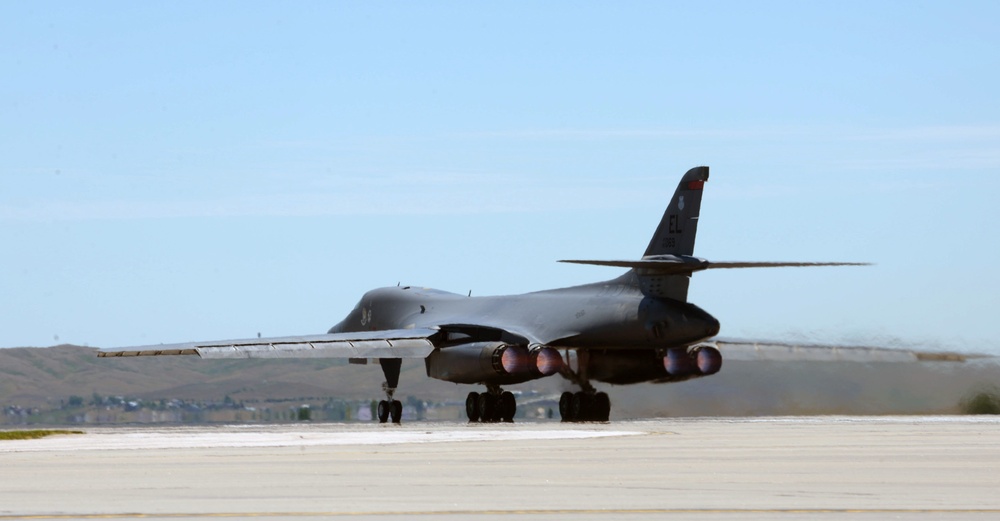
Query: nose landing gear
x=389, y=408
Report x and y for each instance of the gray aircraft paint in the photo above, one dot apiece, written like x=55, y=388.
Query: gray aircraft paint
x=632, y=328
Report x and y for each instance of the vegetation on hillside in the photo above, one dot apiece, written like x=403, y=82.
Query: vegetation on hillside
x=985, y=401
x=33, y=434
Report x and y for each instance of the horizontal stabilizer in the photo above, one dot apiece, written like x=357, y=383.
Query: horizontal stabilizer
x=678, y=264
x=397, y=343
x=675, y=264
x=728, y=265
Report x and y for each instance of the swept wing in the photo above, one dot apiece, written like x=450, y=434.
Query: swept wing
x=393, y=343
x=760, y=350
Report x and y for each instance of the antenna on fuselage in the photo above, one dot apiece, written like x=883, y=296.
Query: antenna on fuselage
x=470, y=292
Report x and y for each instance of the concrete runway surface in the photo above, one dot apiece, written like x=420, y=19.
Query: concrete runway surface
x=720, y=468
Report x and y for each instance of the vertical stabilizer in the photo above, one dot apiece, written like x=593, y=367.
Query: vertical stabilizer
x=675, y=234
x=665, y=269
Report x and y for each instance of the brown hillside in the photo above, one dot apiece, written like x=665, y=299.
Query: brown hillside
x=37, y=377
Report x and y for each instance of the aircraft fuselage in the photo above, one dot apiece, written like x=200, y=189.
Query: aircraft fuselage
x=608, y=315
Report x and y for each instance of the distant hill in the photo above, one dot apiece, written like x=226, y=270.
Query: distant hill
x=39, y=377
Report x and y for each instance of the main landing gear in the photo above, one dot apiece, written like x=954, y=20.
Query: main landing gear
x=495, y=405
x=390, y=408
x=586, y=405
x=583, y=406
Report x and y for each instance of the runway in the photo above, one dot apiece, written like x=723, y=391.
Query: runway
x=728, y=468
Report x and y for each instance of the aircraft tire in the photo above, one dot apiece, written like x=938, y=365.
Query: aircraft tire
x=383, y=411
x=498, y=411
x=508, y=406
x=472, y=406
x=581, y=406
x=602, y=407
x=396, y=411
x=566, y=407
x=487, y=407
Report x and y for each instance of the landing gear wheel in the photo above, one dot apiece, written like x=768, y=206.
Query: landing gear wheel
x=602, y=407
x=396, y=411
x=581, y=406
x=487, y=407
x=390, y=407
x=472, y=407
x=566, y=407
x=507, y=407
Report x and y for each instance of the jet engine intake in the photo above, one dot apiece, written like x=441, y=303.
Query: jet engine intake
x=481, y=362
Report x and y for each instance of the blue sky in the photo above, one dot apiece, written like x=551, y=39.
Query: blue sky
x=190, y=170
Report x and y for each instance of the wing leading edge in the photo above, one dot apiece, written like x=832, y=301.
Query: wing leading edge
x=752, y=350
x=394, y=343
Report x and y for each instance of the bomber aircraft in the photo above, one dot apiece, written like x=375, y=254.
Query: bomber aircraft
x=638, y=327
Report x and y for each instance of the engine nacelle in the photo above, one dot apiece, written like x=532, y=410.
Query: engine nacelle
x=545, y=360
x=708, y=359
x=482, y=362
x=678, y=362
x=699, y=360
x=629, y=366
x=625, y=366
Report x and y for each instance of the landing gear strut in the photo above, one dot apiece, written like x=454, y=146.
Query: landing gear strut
x=390, y=408
x=587, y=404
x=495, y=405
